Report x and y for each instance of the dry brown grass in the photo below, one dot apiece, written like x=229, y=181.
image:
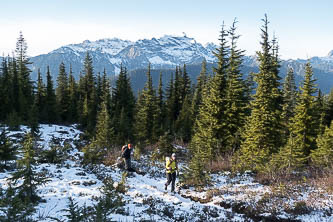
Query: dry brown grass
x=278, y=178
x=112, y=156
x=323, y=180
x=315, y=177
x=221, y=164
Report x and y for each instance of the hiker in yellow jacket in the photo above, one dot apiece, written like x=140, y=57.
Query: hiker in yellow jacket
x=171, y=169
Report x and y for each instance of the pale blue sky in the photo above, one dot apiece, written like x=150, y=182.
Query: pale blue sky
x=304, y=28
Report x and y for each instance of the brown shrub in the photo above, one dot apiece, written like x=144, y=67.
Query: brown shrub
x=221, y=163
x=323, y=179
x=112, y=156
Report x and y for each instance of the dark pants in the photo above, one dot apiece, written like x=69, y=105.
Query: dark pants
x=127, y=163
x=171, y=178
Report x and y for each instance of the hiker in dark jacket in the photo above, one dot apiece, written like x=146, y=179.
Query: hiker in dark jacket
x=126, y=155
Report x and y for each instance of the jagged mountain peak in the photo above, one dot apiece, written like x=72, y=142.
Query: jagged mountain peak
x=164, y=52
x=110, y=46
x=109, y=53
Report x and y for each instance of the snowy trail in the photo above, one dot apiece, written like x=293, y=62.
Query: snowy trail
x=151, y=187
x=144, y=184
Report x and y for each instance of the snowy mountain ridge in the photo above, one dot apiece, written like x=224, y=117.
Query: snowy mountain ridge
x=164, y=52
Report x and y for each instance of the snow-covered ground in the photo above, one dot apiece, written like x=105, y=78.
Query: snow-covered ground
x=229, y=198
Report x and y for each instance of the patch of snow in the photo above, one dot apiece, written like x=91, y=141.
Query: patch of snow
x=156, y=60
x=117, y=61
x=145, y=193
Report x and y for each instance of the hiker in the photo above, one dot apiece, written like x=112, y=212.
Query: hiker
x=171, y=169
x=126, y=155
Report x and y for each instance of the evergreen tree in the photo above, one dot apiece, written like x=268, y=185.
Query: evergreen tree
x=290, y=158
x=250, y=86
x=329, y=109
x=170, y=97
x=184, y=123
x=196, y=174
x=6, y=96
x=289, y=100
x=235, y=99
x=322, y=157
x=26, y=172
x=50, y=99
x=262, y=130
x=197, y=97
x=81, y=98
x=16, y=89
x=305, y=121
x=176, y=96
x=99, y=92
x=25, y=83
x=146, y=113
x=103, y=140
x=88, y=119
x=33, y=120
x=62, y=93
x=73, y=98
x=185, y=89
x=40, y=97
x=106, y=91
x=122, y=106
x=209, y=126
x=319, y=113
x=13, y=208
x=7, y=149
x=164, y=147
x=161, y=115
x=303, y=128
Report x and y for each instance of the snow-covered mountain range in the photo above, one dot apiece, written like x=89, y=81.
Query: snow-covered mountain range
x=163, y=53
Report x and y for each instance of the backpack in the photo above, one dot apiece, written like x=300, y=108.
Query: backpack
x=126, y=153
x=167, y=159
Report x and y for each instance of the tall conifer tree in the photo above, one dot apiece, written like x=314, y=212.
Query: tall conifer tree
x=161, y=115
x=146, y=112
x=88, y=117
x=169, y=105
x=62, y=93
x=235, y=101
x=51, y=102
x=303, y=128
x=6, y=92
x=40, y=97
x=122, y=106
x=25, y=83
x=304, y=122
x=289, y=100
x=210, y=126
x=262, y=130
x=73, y=98
x=197, y=97
x=322, y=157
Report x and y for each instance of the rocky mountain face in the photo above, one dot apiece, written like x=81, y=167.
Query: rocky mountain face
x=164, y=54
